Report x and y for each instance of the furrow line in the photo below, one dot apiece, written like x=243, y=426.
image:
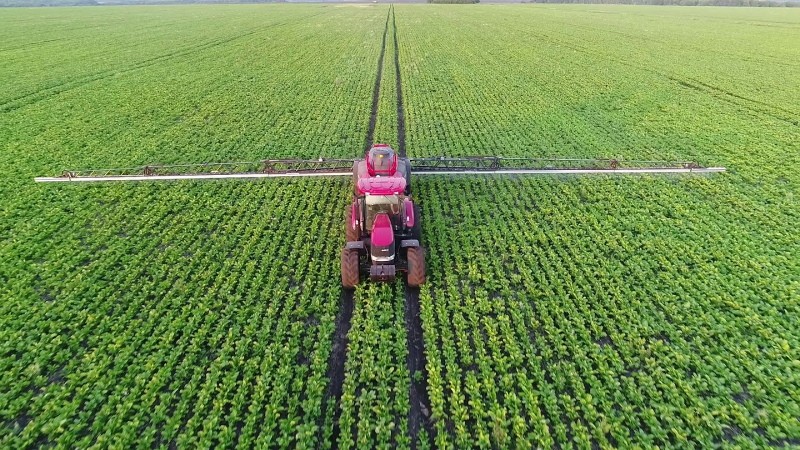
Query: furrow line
x=419, y=403
x=336, y=363
x=376, y=90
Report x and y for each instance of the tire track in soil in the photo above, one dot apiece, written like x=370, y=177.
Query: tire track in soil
x=336, y=363
x=333, y=395
x=376, y=89
x=419, y=403
x=401, y=115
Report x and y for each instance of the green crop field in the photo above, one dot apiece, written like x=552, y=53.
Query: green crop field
x=559, y=312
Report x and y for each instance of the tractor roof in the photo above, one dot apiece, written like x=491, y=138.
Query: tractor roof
x=381, y=160
x=382, y=185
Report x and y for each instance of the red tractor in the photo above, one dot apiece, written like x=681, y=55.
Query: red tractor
x=382, y=226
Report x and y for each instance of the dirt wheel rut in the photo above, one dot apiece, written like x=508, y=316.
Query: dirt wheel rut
x=419, y=404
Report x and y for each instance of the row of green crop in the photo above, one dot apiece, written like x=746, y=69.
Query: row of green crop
x=552, y=320
x=176, y=314
x=247, y=98
x=559, y=312
x=703, y=50
x=535, y=86
x=142, y=39
x=375, y=405
x=375, y=401
x=646, y=311
x=203, y=317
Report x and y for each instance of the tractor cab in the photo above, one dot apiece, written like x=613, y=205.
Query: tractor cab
x=381, y=161
x=381, y=195
x=377, y=204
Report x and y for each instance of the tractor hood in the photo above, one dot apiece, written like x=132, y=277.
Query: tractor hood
x=382, y=240
x=382, y=232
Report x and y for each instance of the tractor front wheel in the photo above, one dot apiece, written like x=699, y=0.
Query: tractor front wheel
x=350, y=272
x=416, y=266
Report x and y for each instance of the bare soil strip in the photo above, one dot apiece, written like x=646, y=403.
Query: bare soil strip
x=401, y=118
x=419, y=403
x=336, y=365
x=376, y=90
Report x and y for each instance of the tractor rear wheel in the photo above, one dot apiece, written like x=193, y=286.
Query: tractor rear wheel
x=355, y=179
x=350, y=272
x=416, y=266
x=349, y=232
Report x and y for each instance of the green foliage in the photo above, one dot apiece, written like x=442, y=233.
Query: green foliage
x=608, y=312
x=375, y=401
x=188, y=314
x=454, y=2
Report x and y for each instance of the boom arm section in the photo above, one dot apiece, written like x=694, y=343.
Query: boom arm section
x=472, y=165
x=551, y=166
x=266, y=168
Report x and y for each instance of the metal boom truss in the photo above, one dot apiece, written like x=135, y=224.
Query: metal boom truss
x=273, y=168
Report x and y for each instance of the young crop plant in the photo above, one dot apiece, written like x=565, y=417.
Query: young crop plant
x=158, y=336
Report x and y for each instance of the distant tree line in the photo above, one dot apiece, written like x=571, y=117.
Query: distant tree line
x=760, y=3
x=47, y=2
x=4, y=3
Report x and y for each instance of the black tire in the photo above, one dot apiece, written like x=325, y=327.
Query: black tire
x=355, y=179
x=349, y=232
x=350, y=272
x=416, y=266
x=407, y=176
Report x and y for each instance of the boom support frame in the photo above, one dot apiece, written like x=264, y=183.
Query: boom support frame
x=270, y=168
